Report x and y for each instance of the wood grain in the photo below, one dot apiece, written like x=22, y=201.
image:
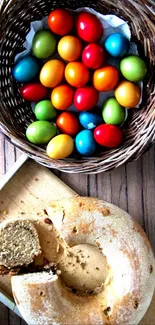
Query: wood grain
x=132, y=187
x=14, y=319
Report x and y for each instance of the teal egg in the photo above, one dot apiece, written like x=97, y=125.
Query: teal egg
x=117, y=45
x=85, y=143
x=113, y=112
x=133, y=68
x=26, y=69
x=89, y=120
x=44, y=44
x=41, y=132
x=44, y=110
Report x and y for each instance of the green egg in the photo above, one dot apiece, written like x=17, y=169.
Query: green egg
x=45, y=111
x=133, y=68
x=44, y=44
x=113, y=112
x=41, y=132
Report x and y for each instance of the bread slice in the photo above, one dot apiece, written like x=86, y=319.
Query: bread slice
x=19, y=243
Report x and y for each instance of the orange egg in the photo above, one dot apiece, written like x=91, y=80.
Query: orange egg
x=128, y=94
x=77, y=74
x=70, y=48
x=62, y=97
x=106, y=78
x=52, y=73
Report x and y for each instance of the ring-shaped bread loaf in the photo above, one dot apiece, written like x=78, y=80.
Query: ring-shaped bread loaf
x=129, y=267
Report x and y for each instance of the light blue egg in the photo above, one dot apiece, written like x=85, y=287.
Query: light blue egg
x=85, y=143
x=26, y=69
x=90, y=120
x=117, y=45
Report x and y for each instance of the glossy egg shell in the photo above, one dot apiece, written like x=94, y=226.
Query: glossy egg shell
x=26, y=69
x=40, y=132
x=52, y=73
x=34, y=92
x=106, y=78
x=61, y=21
x=89, y=27
x=107, y=135
x=85, y=143
x=70, y=48
x=44, y=110
x=68, y=123
x=93, y=56
x=113, y=112
x=117, y=45
x=133, y=68
x=62, y=96
x=60, y=146
x=85, y=98
x=128, y=94
x=44, y=44
x=77, y=74
x=90, y=120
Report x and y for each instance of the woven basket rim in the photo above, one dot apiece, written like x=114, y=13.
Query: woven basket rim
x=101, y=163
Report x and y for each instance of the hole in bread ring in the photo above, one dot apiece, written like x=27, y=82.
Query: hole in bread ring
x=85, y=269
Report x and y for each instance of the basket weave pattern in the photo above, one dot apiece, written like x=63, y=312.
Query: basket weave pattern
x=16, y=114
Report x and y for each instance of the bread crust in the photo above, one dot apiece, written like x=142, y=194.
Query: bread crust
x=129, y=284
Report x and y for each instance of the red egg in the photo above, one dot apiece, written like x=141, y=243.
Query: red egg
x=89, y=27
x=34, y=92
x=86, y=98
x=61, y=21
x=108, y=135
x=93, y=56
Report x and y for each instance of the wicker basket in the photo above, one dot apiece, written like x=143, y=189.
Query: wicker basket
x=15, y=114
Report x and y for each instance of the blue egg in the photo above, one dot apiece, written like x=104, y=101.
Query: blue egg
x=26, y=69
x=90, y=120
x=85, y=143
x=117, y=45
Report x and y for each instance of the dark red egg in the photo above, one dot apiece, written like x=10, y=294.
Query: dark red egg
x=34, y=92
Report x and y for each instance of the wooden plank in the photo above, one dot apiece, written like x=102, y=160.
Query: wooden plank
x=119, y=188
x=101, y=186
x=9, y=154
x=2, y=163
x=4, y=315
x=14, y=168
x=13, y=318
x=79, y=183
x=22, y=322
x=18, y=153
x=148, y=193
x=135, y=191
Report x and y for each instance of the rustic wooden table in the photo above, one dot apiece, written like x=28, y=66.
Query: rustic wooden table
x=131, y=187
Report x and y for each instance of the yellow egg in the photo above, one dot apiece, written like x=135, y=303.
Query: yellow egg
x=70, y=48
x=128, y=94
x=60, y=146
x=52, y=73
